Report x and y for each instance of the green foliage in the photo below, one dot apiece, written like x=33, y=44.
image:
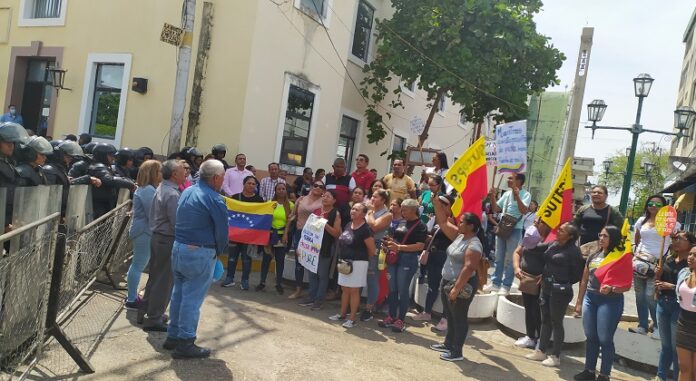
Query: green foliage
x=642, y=186
x=483, y=54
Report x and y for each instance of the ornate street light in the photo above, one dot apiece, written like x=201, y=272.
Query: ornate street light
x=642, y=84
x=684, y=117
x=57, y=77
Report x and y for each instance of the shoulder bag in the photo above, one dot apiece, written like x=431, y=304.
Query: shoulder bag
x=529, y=284
x=423, y=257
x=506, y=224
x=393, y=255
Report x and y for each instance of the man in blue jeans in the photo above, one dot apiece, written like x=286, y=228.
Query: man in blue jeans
x=200, y=234
x=513, y=203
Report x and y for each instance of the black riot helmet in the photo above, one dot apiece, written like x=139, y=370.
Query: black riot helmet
x=219, y=150
x=123, y=155
x=89, y=147
x=102, y=151
x=71, y=148
x=13, y=132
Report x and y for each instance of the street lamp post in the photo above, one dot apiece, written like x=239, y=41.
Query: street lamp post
x=607, y=167
x=684, y=117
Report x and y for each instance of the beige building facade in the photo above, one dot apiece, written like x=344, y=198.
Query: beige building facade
x=279, y=84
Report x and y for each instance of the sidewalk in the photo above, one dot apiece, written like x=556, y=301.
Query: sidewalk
x=264, y=336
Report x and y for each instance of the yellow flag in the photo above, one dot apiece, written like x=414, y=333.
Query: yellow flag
x=557, y=208
x=468, y=177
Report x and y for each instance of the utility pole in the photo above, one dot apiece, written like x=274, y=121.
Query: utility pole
x=182, y=72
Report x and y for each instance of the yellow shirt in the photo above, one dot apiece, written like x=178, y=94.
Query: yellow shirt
x=279, y=217
x=399, y=187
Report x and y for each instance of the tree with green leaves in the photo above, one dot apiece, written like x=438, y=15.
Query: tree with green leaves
x=644, y=182
x=484, y=54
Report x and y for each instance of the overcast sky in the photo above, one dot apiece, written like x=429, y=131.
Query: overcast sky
x=630, y=37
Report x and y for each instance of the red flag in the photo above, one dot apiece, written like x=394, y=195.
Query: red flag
x=616, y=269
x=469, y=177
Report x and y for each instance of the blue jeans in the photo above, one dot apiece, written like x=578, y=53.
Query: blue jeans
x=503, y=259
x=278, y=253
x=319, y=282
x=141, y=256
x=193, y=269
x=372, y=280
x=436, y=261
x=235, y=251
x=299, y=269
x=400, y=276
x=667, y=316
x=600, y=317
x=645, y=300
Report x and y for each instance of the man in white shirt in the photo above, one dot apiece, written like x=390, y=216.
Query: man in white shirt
x=234, y=176
x=268, y=184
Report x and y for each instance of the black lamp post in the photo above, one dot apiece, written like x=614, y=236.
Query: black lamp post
x=684, y=118
x=607, y=167
x=58, y=77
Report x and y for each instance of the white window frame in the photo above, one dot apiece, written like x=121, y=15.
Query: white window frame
x=93, y=59
x=441, y=111
x=360, y=118
x=459, y=120
x=290, y=79
x=368, y=55
x=410, y=92
x=26, y=8
x=397, y=133
x=325, y=19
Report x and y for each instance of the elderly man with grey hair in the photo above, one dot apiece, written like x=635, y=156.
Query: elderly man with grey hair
x=200, y=235
x=162, y=220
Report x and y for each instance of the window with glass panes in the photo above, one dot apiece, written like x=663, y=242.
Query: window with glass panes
x=363, y=30
x=317, y=7
x=106, y=100
x=398, y=148
x=298, y=118
x=346, y=140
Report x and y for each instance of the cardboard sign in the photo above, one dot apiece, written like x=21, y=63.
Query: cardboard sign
x=511, y=147
x=666, y=221
x=310, y=243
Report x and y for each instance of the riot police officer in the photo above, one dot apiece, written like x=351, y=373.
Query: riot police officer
x=104, y=197
x=123, y=165
x=79, y=167
x=30, y=158
x=195, y=158
x=10, y=134
x=219, y=151
x=64, y=152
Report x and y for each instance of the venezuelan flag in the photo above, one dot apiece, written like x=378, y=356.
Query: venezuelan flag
x=557, y=208
x=249, y=222
x=468, y=176
x=616, y=269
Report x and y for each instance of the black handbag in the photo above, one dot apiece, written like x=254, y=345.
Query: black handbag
x=506, y=226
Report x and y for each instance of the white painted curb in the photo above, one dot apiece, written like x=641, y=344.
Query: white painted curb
x=482, y=307
x=511, y=315
x=639, y=348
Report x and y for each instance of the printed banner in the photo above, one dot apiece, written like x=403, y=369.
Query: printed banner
x=511, y=146
x=310, y=243
x=491, y=158
x=249, y=222
x=557, y=208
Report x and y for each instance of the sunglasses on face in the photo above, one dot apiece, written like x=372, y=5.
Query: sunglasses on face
x=655, y=204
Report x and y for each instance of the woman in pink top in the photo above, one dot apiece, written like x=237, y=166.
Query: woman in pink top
x=304, y=206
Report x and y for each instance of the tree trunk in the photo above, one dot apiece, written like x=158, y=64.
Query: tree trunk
x=199, y=75
x=436, y=103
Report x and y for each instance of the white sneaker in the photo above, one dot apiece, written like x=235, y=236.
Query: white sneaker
x=656, y=335
x=551, y=361
x=504, y=291
x=336, y=317
x=348, y=324
x=525, y=342
x=442, y=325
x=537, y=355
x=491, y=288
x=639, y=330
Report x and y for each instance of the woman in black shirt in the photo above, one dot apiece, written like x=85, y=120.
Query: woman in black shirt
x=592, y=218
x=248, y=194
x=407, y=243
x=667, y=305
x=563, y=266
x=357, y=245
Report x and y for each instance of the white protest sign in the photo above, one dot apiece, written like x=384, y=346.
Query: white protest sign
x=310, y=243
x=491, y=158
x=511, y=146
x=417, y=125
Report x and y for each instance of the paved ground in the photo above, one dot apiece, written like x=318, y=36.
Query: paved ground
x=264, y=336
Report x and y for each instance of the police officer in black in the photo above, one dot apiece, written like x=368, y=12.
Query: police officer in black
x=123, y=165
x=219, y=151
x=30, y=158
x=56, y=168
x=80, y=166
x=10, y=134
x=142, y=154
x=104, y=197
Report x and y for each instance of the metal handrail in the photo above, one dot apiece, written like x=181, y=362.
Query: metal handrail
x=27, y=227
x=103, y=217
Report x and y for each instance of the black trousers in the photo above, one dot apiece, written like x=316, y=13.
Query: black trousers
x=532, y=315
x=457, y=314
x=553, y=308
x=158, y=289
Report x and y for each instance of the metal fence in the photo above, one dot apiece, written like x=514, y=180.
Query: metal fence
x=47, y=262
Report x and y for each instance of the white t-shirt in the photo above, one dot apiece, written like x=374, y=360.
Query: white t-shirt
x=650, y=241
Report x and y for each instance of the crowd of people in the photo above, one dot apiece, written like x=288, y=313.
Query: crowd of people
x=380, y=235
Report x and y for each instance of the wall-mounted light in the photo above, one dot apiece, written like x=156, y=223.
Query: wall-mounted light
x=58, y=77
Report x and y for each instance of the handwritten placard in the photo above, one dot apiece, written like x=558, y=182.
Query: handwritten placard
x=666, y=220
x=511, y=146
x=310, y=243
